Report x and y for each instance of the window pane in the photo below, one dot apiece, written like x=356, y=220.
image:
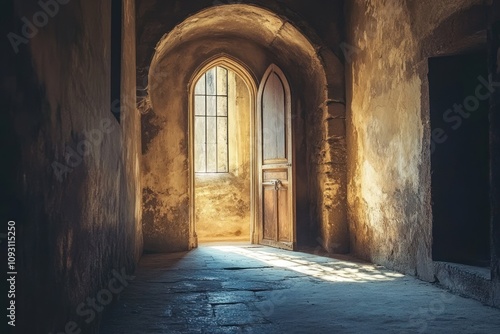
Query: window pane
x=200, y=86
x=199, y=145
x=221, y=106
x=211, y=145
x=199, y=105
x=222, y=144
x=273, y=119
x=211, y=105
x=211, y=81
x=211, y=123
x=221, y=81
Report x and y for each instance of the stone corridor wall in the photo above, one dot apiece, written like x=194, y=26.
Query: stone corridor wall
x=72, y=176
x=388, y=122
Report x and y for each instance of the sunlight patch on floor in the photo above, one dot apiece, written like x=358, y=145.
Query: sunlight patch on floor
x=333, y=270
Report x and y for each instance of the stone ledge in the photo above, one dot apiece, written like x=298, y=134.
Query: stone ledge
x=467, y=281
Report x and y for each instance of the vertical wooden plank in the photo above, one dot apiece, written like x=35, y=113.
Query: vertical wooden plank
x=269, y=213
x=284, y=226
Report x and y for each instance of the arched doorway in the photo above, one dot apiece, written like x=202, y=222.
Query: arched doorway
x=241, y=156
x=256, y=38
x=221, y=141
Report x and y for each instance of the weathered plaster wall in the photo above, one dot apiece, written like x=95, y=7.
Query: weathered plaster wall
x=222, y=201
x=327, y=166
x=388, y=123
x=130, y=210
x=74, y=229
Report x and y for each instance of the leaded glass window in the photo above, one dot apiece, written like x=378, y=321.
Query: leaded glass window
x=211, y=122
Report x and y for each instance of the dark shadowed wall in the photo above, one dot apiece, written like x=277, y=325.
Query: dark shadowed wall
x=73, y=173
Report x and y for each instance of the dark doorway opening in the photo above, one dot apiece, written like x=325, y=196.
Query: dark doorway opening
x=459, y=105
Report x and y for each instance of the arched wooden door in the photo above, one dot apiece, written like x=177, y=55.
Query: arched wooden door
x=276, y=222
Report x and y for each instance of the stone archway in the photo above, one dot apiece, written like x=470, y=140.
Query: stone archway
x=257, y=38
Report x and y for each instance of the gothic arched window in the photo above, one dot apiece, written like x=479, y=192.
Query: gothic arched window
x=211, y=122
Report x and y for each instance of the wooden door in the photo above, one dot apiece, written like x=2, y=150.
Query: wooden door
x=276, y=190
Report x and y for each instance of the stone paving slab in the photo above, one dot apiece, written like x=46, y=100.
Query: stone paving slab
x=248, y=289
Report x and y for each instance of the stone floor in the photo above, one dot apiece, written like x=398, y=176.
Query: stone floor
x=253, y=289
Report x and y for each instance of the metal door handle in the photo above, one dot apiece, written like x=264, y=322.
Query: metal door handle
x=277, y=184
